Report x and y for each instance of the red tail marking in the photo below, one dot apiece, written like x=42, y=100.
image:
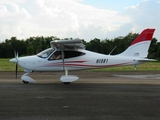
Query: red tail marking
x=146, y=35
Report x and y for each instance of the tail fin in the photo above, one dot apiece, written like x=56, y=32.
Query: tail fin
x=140, y=45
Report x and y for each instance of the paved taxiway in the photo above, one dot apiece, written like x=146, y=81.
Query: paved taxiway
x=95, y=96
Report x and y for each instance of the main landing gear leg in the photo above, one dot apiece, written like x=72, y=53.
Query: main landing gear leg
x=66, y=74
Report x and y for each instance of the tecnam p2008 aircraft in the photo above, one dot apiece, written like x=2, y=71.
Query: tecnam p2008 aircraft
x=65, y=55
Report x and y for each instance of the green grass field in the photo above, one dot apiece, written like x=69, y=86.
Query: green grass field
x=5, y=65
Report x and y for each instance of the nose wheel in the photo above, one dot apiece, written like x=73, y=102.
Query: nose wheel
x=27, y=79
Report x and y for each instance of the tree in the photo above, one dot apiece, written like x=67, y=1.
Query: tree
x=95, y=45
x=153, y=49
x=34, y=45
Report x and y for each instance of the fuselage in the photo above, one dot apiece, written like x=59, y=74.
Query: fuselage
x=86, y=61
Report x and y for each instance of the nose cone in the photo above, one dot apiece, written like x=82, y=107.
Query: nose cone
x=14, y=60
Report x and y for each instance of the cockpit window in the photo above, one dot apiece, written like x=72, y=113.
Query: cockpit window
x=56, y=55
x=67, y=54
x=45, y=53
x=71, y=54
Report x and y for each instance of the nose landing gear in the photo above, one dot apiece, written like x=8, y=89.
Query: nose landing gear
x=26, y=79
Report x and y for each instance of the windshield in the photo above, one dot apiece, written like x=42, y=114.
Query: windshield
x=45, y=53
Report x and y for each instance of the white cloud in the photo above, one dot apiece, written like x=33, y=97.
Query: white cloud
x=145, y=15
x=70, y=18
x=38, y=17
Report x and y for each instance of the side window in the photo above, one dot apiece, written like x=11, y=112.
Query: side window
x=70, y=54
x=56, y=56
x=67, y=54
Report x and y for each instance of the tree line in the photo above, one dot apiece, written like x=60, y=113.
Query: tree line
x=34, y=45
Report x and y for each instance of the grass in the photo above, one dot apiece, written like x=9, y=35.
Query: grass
x=5, y=65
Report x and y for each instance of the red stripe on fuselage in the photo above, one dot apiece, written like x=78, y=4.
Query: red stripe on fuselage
x=69, y=64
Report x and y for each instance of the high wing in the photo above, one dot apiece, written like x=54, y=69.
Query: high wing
x=68, y=44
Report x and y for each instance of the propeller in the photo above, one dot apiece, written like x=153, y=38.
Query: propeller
x=15, y=60
x=16, y=69
x=16, y=57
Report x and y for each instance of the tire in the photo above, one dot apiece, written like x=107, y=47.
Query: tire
x=66, y=83
x=25, y=82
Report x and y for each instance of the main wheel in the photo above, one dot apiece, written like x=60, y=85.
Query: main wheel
x=25, y=82
x=66, y=83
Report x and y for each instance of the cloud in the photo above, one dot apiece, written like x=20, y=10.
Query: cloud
x=146, y=14
x=70, y=18
x=39, y=17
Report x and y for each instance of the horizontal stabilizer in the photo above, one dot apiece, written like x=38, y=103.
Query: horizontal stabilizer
x=147, y=60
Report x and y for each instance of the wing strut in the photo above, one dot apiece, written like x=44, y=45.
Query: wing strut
x=62, y=53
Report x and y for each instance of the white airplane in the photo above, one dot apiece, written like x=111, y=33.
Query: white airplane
x=65, y=55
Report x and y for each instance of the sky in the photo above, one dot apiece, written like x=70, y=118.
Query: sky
x=84, y=19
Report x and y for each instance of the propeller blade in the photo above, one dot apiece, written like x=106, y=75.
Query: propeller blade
x=15, y=53
x=16, y=57
x=16, y=69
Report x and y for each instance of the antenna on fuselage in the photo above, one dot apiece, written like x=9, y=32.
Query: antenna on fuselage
x=112, y=50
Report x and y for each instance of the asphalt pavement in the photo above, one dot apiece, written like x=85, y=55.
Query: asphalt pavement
x=78, y=101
